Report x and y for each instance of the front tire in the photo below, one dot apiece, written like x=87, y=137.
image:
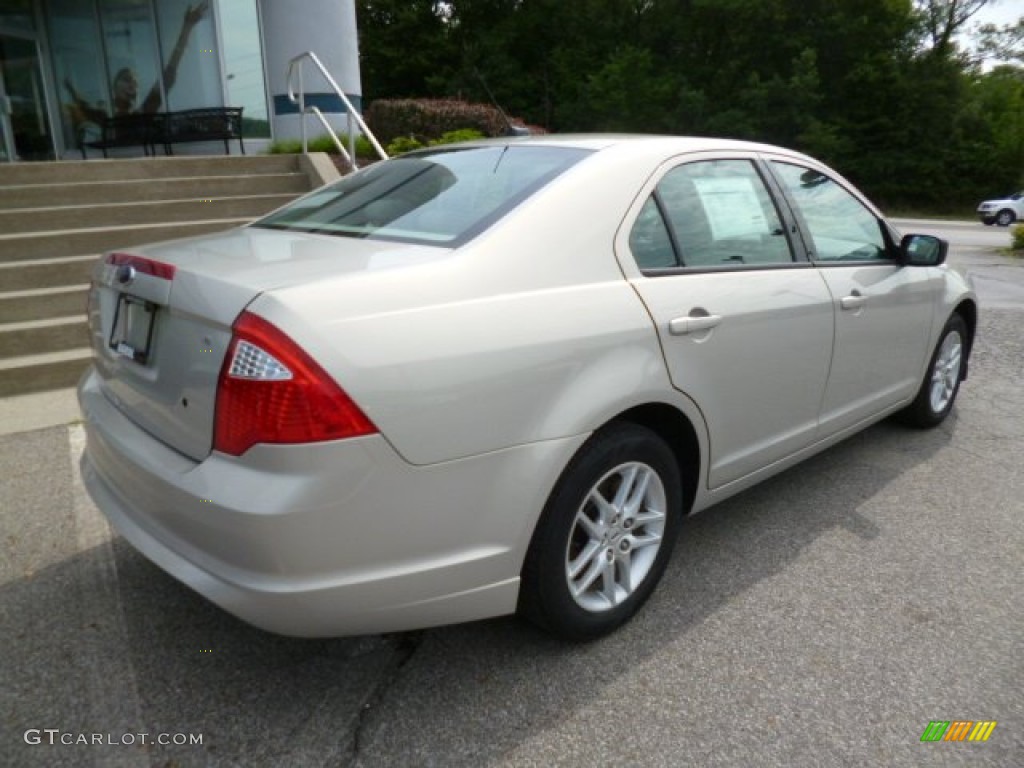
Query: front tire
x=941, y=383
x=1005, y=218
x=605, y=535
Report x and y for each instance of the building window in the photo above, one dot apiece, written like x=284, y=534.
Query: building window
x=122, y=56
x=16, y=16
x=132, y=57
x=78, y=70
x=243, y=64
x=191, y=61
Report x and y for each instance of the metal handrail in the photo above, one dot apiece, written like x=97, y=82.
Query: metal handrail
x=295, y=68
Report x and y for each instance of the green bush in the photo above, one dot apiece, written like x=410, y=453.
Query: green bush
x=402, y=144
x=322, y=143
x=285, y=147
x=397, y=146
x=1018, y=238
x=454, y=137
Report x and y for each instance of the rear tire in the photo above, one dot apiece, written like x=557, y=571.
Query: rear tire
x=941, y=383
x=605, y=535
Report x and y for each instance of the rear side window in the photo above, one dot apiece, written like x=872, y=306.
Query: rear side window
x=649, y=239
x=443, y=197
x=710, y=214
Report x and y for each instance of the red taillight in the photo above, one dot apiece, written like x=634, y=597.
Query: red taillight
x=271, y=391
x=143, y=265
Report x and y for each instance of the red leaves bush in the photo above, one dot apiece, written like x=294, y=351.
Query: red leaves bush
x=426, y=119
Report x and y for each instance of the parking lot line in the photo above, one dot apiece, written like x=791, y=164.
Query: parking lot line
x=113, y=691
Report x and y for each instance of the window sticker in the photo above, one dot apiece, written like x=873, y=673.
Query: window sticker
x=732, y=207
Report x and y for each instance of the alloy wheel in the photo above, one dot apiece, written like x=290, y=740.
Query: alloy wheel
x=615, y=537
x=946, y=372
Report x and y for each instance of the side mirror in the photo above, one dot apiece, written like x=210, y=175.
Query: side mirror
x=923, y=250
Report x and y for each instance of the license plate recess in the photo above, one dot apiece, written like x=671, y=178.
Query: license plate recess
x=131, y=334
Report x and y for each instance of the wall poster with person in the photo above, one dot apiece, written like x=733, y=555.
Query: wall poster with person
x=115, y=57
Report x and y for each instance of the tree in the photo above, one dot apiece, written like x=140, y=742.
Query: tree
x=997, y=102
x=403, y=47
x=944, y=18
x=1004, y=43
x=878, y=88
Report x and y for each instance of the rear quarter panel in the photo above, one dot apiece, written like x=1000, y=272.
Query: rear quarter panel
x=528, y=333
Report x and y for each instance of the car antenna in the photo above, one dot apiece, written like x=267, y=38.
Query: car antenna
x=510, y=129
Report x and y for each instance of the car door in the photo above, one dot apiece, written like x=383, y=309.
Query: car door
x=883, y=310
x=746, y=328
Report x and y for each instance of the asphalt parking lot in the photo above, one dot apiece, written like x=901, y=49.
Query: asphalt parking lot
x=824, y=618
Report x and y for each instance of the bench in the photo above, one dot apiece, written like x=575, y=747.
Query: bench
x=204, y=124
x=124, y=131
x=166, y=129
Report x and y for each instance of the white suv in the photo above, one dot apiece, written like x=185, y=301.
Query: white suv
x=1002, y=212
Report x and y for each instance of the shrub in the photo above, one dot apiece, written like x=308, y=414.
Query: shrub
x=322, y=143
x=401, y=145
x=428, y=119
x=285, y=147
x=454, y=137
x=1017, y=242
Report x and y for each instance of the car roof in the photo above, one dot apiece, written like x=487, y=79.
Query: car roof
x=639, y=146
x=600, y=141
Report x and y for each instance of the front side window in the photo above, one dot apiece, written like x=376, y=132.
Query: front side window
x=441, y=197
x=841, y=227
x=710, y=214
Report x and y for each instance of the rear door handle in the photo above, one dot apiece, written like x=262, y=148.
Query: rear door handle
x=684, y=325
x=853, y=301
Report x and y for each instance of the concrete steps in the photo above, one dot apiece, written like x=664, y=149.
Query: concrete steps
x=41, y=372
x=26, y=220
x=56, y=219
x=43, y=303
x=143, y=169
x=53, y=243
x=17, y=277
x=88, y=192
x=51, y=334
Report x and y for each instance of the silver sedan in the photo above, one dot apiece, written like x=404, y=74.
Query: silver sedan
x=493, y=377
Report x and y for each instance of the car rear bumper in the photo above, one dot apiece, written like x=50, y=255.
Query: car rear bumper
x=327, y=539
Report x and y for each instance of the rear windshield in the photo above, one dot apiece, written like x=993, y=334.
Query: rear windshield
x=441, y=197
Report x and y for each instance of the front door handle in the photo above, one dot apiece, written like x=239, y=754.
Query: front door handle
x=853, y=301
x=690, y=324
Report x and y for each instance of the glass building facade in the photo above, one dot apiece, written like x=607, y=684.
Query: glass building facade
x=67, y=64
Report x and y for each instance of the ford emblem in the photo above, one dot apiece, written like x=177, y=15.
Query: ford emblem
x=125, y=274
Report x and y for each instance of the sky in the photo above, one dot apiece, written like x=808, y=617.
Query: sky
x=1000, y=12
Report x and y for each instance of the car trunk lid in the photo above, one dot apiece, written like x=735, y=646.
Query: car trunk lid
x=161, y=317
